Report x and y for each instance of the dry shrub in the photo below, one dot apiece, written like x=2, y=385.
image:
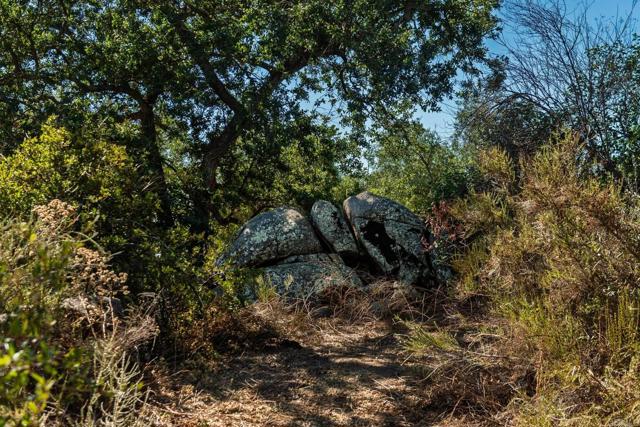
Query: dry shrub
x=55, y=217
x=91, y=272
x=69, y=346
x=225, y=330
x=560, y=261
x=121, y=395
x=466, y=368
x=381, y=299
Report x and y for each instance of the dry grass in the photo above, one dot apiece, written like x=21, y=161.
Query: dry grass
x=380, y=300
x=68, y=346
x=558, y=262
x=344, y=361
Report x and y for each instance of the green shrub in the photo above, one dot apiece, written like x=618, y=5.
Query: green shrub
x=98, y=177
x=416, y=168
x=57, y=316
x=85, y=169
x=112, y=197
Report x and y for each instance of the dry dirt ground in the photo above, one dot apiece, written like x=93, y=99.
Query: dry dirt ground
x=353, y=376
x=329, y=372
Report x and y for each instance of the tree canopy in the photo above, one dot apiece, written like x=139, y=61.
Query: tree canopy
x=194, y=87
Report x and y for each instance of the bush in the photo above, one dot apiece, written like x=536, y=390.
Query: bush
x=559, y=259
x=65, y=336
x=417, y=169
x=115, y=199
x=97, y=175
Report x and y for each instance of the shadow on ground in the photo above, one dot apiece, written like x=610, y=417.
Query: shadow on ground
x=338, y=375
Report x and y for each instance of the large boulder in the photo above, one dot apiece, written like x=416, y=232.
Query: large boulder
x=391, y=235
x=270, y=237
x=332, y=227
x=306, y=276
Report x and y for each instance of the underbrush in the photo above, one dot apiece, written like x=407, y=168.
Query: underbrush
x=556, y=255
x=274, y=316
x=68, y=355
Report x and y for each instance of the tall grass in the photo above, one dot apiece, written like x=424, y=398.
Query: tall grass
x=558, y=253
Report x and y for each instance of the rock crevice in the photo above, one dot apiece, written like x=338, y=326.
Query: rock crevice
x=304, y=256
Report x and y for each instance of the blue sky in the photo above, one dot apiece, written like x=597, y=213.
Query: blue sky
x=442, y=122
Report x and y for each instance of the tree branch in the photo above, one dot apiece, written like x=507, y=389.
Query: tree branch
x=199, y=56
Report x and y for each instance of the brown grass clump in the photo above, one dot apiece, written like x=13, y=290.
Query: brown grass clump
x=380, y=300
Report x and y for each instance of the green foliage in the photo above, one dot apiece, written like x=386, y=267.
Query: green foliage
x=622, y=327
x=93, y=173
x=561, y=225
x=347, y=187
x=488, y=119
x=52, y=312
x=560, y=71
x=420, y=340
x=100, y=178
x=411, y=165
x=558, y=258
x=297, y=167
x=176, y=121
x=266, y=291
x=228, y=99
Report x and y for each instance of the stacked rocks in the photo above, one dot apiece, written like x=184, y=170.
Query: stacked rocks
x=390, y=234
x=304, y=256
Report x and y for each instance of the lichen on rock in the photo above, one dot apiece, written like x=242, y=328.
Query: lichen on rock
x=391, y=235
x=270, y=237
x=334, y=229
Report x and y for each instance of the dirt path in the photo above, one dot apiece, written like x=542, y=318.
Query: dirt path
x=354, y=376
x=278, y=367
x=345, y=375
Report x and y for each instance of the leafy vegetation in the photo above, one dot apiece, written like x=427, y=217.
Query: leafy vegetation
x=137, y=136
x=65, y=338
x=559, y=261
x=416, y=168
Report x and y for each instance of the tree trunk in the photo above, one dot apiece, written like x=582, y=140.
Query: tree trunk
x=219, y=146
x=154, y=159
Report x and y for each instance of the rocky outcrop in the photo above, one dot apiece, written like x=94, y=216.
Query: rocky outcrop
x=310, y=275
x=333, y=229
x=293, y=260
x=272, y=236
x=390, y=234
